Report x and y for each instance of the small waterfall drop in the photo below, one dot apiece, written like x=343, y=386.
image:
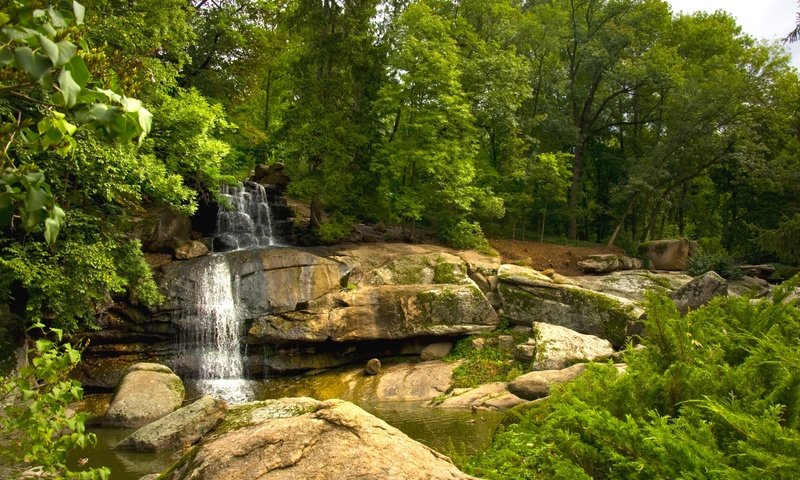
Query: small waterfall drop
x=250, y=223
x=211, y=344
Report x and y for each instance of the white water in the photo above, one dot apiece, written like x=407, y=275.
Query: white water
x=250, y=221
x=212, y=346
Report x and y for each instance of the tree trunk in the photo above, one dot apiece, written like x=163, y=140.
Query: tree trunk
x=267, y=102
x=316, y=215
x=544, y=217
x=621, y=222
x=575, y=189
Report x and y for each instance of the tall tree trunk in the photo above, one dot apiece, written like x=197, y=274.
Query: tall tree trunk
x=621, y=221
x=268, y=102
x=575, y=189
x=544, y=217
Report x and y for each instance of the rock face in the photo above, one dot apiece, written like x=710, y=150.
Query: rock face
x=533, y=385
x=381, y=313
x=633, y=284
x=557, y=347
x=607, y=263
x=666, y=254
x=699, y=291
x=529, y=296
x=147, y=392
x=305, y=438
x=179, y=429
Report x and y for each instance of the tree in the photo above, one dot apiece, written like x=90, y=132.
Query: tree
x=426, y=156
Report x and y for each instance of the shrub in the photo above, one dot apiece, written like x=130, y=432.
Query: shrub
x=465, y=235
x=703, y=260
x=713, y=395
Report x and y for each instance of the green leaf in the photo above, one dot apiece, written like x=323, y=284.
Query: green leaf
x=6, y=57
x=145, y=122
x=35, y=65
x=66, y=51
x=68, y=87
x=50, y=48
x=51, y=229
x=79, y=11
x=4, y=18
x=80, y=73
x=56, y=18
x=130, y=104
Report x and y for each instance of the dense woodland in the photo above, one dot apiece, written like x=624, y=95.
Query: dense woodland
x=613, y=121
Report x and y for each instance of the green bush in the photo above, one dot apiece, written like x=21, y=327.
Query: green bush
x=715, y=394
x=465, y=235
x=335, y=228
x=703, y=260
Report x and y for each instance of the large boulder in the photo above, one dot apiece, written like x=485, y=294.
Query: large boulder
x=699, y=291
x=599, y=263
x=633, y=284
x=147, y=392
x=419, y=269
x=304, y=438
x=179, y=429
x=529, y=296
x=555, y=347
x=533, y=385
x=381, y=313
x=666, y=254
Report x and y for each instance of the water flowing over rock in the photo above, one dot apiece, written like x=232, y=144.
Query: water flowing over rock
x=250, y=222
x=304, y=438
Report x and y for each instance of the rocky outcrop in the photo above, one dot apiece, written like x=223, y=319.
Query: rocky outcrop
x=555, y=347
x=699, y=291
x=666, y=254
x=607, y=263
x=179, y=429
x=147, y=392
x=381, y=313
x=529, y=296
x=633, y=284
x=305, y=438
x=533, y=385
x=491, y=396
x=419, y=269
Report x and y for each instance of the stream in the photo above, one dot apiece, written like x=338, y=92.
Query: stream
x=451, y=432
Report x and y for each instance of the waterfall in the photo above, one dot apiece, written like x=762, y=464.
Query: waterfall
x=211, y=344
x=249, y=224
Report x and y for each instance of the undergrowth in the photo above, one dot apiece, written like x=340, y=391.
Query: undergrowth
x=715, y=395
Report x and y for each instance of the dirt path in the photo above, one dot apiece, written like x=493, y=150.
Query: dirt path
x=541, y=256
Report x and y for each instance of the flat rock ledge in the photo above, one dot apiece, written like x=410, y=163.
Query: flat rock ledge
x=295, y=438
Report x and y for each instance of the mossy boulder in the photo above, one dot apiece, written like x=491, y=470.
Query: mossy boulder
x=147, y=392
x=528, y=297
x=666, y=254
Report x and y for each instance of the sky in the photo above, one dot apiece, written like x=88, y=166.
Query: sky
x=763, y=19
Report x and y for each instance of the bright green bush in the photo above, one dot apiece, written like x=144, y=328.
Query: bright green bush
x=714, y=395
x=465, y=235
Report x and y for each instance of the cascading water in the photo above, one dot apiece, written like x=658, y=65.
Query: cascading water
x=211, y=345
x=249, y=224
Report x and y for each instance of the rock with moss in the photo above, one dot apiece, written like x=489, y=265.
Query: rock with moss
x=529, y=296
x=179, y=429
x=666, y=254
x=381, y=313
x=191, y=249
x=699, y=291
x=305, y=438
x=491, y=396
x=147, y=392
x=555, y=347
x=419, y=269
x=633, y=284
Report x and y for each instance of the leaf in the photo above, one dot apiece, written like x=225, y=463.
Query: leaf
x=69, y=88
x=35, y=65
x=56, y=18
x=4, y=18
x=130, y=104
x=51, y=228
x=50, y=48
x=79, y=11
x=6, y=57
x=66, y=50
x=80, y=73
x=145, y=122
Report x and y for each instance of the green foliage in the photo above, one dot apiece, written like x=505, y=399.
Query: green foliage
x=465, y=235
x=783, y=240
x=713, y=395
x=705, y=260
x=335, y=228
x=36, y=428
x=491, y=363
